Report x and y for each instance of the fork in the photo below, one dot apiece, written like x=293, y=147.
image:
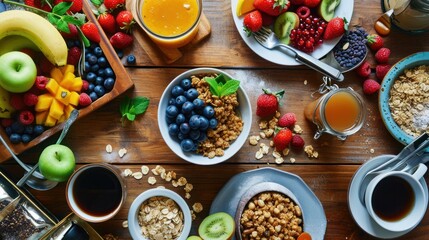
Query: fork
x=267, y=39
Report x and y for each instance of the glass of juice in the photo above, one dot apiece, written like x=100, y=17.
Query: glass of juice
x=340, y=112
x=170, y=23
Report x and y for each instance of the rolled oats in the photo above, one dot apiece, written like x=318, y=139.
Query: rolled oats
x=145, y=169
x=137, y=175
x=127, y=172
x=279, y=160
x=197, y=207
x=311, y=153
x=253, y=140
x=259, y=154
x=122, y=152
x=109, y=148
x=125, y=224
x=151, y=180
x=188, y=187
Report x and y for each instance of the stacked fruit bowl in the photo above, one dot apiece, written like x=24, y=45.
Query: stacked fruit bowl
x=44, y=75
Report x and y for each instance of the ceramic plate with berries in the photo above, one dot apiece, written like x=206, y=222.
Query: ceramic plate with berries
x=301, y=24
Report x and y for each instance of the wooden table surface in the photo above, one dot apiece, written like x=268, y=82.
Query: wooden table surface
x=328, y=176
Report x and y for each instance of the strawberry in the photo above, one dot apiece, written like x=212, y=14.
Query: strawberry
x=370, y=86
x=335, y=28
x=364, y=70
x=72, y=34
x=74, y=8
x=107, y=22
x=90, y=31
x=311, y=3
x=287, y=120
x=272, y=7
x=26, y=117
x=297, y=142
x=40, y=4
x=382, y=55
x=252, y=22
x=267, y=20
x=381, y=71
x=84, y=100
x=374, y=42
x=282, y=139
x=121, y=40
x=30, y=99
x=113, y=4
x=74, y=55
x=125, y=20
x=268, y=103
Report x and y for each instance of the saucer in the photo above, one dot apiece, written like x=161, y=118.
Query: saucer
x=359, y=211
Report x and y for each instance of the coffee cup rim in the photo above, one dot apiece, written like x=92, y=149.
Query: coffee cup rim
x=72, y=203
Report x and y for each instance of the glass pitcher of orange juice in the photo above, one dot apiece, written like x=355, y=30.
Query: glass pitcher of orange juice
x=339, y=112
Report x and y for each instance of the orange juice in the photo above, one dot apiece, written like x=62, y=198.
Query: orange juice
x=171, y=23
x=342, y=111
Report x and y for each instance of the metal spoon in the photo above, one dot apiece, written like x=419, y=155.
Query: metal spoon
x=383, y=24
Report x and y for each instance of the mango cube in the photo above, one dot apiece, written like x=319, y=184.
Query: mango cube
x=63, y=95
x=56, y=110
x=56, y=74
x=67, y=68
x=44, y=101
x=50, y=121
x=77, y=85
x=67, y=110
x=41, y=117
x=74, y=98
x=52, y=86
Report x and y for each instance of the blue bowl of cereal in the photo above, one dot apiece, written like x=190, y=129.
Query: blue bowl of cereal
x=404, y=98
x=204, y=116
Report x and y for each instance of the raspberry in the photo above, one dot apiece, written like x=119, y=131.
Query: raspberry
x=297, y=142
x=41, y=82
x=287, y=120
x=382, y=55
x=26, y=117
x=84, y=100
x=85, y=85
x=30, y=99
x=74, y=55
x=6, y=122
x=364, y=70
x=370, y=86
x=17, y=101
x=381, y=70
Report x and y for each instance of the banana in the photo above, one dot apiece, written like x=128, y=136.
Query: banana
x=39, y=30
x=15, y=43
x=5, y=108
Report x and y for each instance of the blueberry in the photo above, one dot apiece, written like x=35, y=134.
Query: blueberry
x=69, y=43
x=8, y=131
x=213, y=123
x=120, y=53
x=169, y=120
x=94, y=68
x=131, y=59
x=102, y=62
x=204, y=123
x=88, y=54
x=184, y=128
x=91, y=87
x=28, y=129
x=172, y=101
x=173, y=129
x=172, y=111
x=194, y=122
x=92, y=59
x=187, y=145
x=99, y=81
x=202, y=137
x=90, y=77
x=17, y=127
x=15, y=138
x=177, y=91
x=191, y=94
x=98, y=51
x=109, y=83
x=198, y=103
x=186, y=83
x=180, y=118
x=194, y=134
x=26, y=138
x=38, y=129
x=93, y=46
x=87, y=67
x=93, y=96
x=101, y=72
x=187, y=107
x=109, y=72
x=208, y=112
x=99, y=90
x=180, y=100
x=181, y=136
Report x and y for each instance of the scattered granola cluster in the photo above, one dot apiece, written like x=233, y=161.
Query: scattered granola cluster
x=409, y=100
x=267, y=131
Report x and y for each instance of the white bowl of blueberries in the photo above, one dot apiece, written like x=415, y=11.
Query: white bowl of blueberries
x=186, y=119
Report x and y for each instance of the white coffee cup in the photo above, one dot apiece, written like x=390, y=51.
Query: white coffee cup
x=396, y=199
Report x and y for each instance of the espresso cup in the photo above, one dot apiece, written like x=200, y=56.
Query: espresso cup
x=96, y=192
x=396, y=200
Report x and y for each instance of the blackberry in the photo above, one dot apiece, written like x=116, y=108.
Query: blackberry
x=351, y=49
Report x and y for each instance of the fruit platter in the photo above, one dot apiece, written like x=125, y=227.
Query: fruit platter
x=32, y=102
x=290, y=17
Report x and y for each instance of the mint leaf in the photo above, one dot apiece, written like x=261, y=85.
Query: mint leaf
x=222, y=85
x=140, y=104
x=72, y=20
x=61, y=8
x=63, y=26
x=230, y=87
x=96, y=2
x=214, y=86
x=131, y=116
x=125, y=105
x=130, y=108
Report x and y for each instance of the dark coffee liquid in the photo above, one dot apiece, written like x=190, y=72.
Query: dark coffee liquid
x=393, y=198
x=97, y=191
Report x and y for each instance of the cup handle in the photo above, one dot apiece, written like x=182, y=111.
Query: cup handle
x=419, y=171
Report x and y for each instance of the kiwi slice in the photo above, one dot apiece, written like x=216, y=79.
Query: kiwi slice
x=327, y=9
x=284, y=24
x=194, y=238
x=217, y=226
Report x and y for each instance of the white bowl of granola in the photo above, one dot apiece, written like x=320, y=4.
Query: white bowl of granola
x=159, y=212
x=197, y=124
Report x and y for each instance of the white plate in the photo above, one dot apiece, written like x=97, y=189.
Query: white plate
x=345, y=9
x=358, y=210
x=229, y=196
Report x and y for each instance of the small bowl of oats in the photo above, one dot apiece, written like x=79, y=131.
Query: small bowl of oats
x=204, y=116
x=159, y=213
x=269, y=210
x=404, y=98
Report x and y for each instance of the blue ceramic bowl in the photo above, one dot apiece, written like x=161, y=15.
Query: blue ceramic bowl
x=411, y=61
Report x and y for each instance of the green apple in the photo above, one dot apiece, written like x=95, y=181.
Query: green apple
x=17, y=72
x=57, y=162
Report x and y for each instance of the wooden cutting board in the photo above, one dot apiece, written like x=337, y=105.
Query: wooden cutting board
x=170, y=54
